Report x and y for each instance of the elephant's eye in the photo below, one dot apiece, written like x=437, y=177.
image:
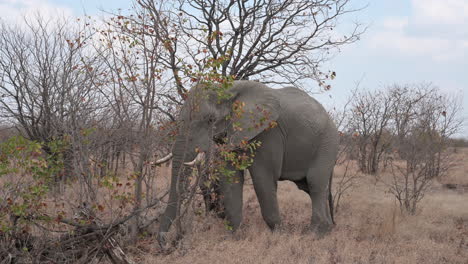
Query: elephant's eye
x=211, y=119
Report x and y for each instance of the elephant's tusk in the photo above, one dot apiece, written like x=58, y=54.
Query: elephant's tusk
x=200, y=157
x=162, y=160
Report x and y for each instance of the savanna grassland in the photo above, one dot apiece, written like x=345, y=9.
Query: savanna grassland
x=370, y=228
x=88, y=106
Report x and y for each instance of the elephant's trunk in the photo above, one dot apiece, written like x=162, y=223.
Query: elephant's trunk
x=173, y=203
x=176, y=188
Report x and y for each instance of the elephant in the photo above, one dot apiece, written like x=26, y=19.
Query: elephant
x=301, y=147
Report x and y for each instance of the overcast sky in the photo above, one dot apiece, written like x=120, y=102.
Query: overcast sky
x=408, y=41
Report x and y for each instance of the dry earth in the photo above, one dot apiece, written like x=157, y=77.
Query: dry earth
x=370, y=229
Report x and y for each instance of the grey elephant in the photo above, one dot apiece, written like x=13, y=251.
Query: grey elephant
x=301, y=148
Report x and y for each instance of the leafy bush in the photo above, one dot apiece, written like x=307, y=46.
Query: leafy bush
x=26, y=175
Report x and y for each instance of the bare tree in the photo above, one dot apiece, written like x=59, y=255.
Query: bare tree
x=424, y=120
x=345, y=182
x=369, y=120
x=138, y=97
x=46, y=84
x=275, y=41
x=62, y=87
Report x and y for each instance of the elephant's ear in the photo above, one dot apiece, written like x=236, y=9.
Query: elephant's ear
x=254, y=108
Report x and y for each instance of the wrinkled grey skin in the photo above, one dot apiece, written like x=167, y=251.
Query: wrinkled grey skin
x=302, y=148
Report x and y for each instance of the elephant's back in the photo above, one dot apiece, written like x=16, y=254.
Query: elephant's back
x=295, y=96
x=300, y=106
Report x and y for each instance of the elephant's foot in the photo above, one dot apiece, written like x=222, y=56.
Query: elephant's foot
x=232, y=222
x=161, y=238
x=321, y=228
x=220, y=214
x=322, y=222
x=273, y=224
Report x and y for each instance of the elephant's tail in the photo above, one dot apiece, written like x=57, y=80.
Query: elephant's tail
x=330, y=198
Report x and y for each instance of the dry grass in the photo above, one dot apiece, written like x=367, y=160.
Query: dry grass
x=459, y=174
x=370, y=229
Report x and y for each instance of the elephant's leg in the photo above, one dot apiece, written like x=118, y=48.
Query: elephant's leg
x=206, y=192
x=212, y=198
x=265, y=172
x=318, y=179
x=232, y=188
x=210, y=188
x=217, y=201
x=265, y=186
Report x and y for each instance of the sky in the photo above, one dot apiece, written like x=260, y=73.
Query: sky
x=406, y=42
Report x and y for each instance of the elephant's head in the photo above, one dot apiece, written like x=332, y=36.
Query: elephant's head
x=212, y=115
x=239, y=113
